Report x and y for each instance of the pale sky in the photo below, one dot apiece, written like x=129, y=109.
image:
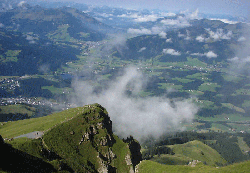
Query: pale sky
x=233, y=7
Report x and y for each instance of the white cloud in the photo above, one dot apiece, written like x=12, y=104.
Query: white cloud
x=20, y=4
x=1, y=25
x=99, y=19
x=141, y=18
x=146, y=18
x=135, y=116
x=211, y=54
x=157, y=29
x=238, y=60
x=194, y=15
x=181, y=35
x=104, y=15
x=188, y=36
x=171, y=52
x=185, y=36
x=123, y=15
x=242, y=39
x=197, y=54
x=30, y=39
x=235, y=59
x=168, y=14
x=142, y=49
x=163, y=34
x=169, y=40
x=179, y=22
x=139, y=31
x=200, y=38
x=225, y=21
x=220, y=35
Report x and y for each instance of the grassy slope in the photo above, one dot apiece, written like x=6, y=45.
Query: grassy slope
x=58, y=139
x=16, y=128
x=17, y=109
x=196, y=150
x=147, y=166
x=76, y=155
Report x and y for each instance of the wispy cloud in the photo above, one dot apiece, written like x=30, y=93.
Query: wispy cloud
x=170, y=14
x=30, y=39
x=194, y=15
x=141, y=18
x=163, y=34
x=171, y=52
x=209, y=54
x=179, y=22
x=219, y=34
x=242, y=38
x=225, y=21
x=238, y=60
x=241, y=61
x=135, y=116
x=147, y=18
x=20, y=4
x=142, y=49
x=200, y=38
x=139, y=31
x=169, y=40
x=182, y=21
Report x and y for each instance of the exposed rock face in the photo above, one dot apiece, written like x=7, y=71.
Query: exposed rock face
x=128, y=159
x=89, y=136
x=135, y=148
x=100, y=122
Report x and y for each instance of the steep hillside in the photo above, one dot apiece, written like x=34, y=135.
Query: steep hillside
x=28, y=54
x=196, y=150
x=147, y=166
x=35, y=40
x=42, y=21
x=83, y=143
x=182, y=154
x=194, y=41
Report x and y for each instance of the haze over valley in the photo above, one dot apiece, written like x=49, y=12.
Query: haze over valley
x=168, y=74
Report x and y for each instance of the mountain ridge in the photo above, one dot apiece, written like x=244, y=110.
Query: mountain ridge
x=82, y=143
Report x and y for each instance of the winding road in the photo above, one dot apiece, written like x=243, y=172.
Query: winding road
x=32, y=135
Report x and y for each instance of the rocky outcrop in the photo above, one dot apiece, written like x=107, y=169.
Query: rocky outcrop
x=89, y=141
x=84, y=143
x=134, y=148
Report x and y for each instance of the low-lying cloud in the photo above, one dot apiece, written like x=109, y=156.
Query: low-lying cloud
x=141, y=18
x=209, y=54
x=200, y=38
x=241, y=61
x=171, y=52
x=220, y=35
x=139, y=31
x=179, y=22
x=30, y=39
x=217, y=35
x=132, y=115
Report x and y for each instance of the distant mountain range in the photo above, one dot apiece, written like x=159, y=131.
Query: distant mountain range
x=36, y=34
x=32, y=37
x=208, y=40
